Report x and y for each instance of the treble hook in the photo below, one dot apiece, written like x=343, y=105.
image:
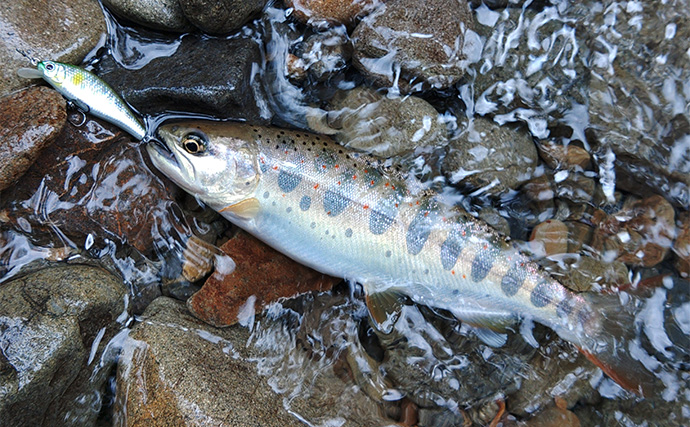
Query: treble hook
x=77, y=111
x=31, y=59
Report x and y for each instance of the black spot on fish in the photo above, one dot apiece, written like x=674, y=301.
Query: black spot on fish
x=451, y=248
x=388, y=254
x=426, y=271
x=288, y=210
x=382, y=216
x=263, y=166
x=313, y=225
x=305, y=203
x=288, y=181
x=541, y=294
x=456, y=291
x=419, y=230
x=483, y=261
x=333, y=203
x=266, y=195
x=565, y=307
x=348, y=232
x=513, y=280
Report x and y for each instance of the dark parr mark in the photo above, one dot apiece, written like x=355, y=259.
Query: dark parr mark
x=513, y=280
x=419, y=230
x=541, y=294
x=483, y=261
x=382, y=216
x=305, y=203
x=348, y=232
x=333, y=203
x=288, y=181
x=451, y=248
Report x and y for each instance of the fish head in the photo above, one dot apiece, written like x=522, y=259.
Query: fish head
x=219, y=167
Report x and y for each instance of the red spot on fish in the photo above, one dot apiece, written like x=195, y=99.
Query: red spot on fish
x=338, y=182
x=463, y=233
x=396, y=205
x=417, y=203
x=366, y=206
x=337, y=166
x=372, y=182
x=354, y=176
x=286, y=151
x=366, y=171
x=486, y=246
x=387, y=184
x=393, y=187
x=316, y=186
x=275, y=168
x=323, y=166
x=452, y=272
x=426, y=214
x=464, y=277
x=328, y=213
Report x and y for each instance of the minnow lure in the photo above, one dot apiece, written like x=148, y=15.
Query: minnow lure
x=343, y=214
x=88, y=92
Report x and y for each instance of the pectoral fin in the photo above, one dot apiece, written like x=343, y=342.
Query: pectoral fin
x=247, y=208
x=384, y=308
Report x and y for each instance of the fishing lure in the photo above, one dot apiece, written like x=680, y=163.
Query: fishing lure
x=88, y=92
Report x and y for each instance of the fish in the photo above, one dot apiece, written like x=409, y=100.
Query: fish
x=349, y=215
x=88, y=92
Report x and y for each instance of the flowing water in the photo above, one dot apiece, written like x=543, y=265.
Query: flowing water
x=547, y=67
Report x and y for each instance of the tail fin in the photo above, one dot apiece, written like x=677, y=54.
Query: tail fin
x=615, y=346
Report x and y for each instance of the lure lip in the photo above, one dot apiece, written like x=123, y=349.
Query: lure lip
x=29, y=73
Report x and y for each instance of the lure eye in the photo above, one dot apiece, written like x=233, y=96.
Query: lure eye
x=50, y=67
x=193, y=144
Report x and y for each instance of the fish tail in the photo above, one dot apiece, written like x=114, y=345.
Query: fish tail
x=609, y=339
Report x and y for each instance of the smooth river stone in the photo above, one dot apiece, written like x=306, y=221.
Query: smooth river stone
x=29, y=121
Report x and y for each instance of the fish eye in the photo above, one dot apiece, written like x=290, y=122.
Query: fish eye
x=193, y=144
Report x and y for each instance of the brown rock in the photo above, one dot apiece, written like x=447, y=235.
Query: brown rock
x=539, y=188
x=29, y=121
x=579, y=234
x=93, y=182
x=554, y=416
x=388, y=48
x=261, y=272
x=587, y=271
x=553, y=235
x=564, y=157
x=681, y=247
x=318, y=12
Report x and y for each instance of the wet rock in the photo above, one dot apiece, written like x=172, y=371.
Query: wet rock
x=29, y=121
x=575, y=187
x=586, y=272
x=220, y=16
x=324, y=12
x=320, y=56
x=637, y=104
x=490, y=157
x=558, y=370
x=492, y=217
x=175, y=369
x=550, y=238
x=641, y=233
x=54, y=326
x=681, y=247
x=92, y=185
x=531, y=70
x=571, y=157
x=262, y=275
x=629, y=412
x=61, y=30
x=539, y=189
x=439, y=418
x=554, y=416
x=368, y=121
x=225, y=88
x=389, y=50
x=167, y=15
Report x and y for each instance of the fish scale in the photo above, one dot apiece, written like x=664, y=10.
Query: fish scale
x=343, y=214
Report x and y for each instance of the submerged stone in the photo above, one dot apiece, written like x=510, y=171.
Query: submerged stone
x=220, y=16
x=165, y=15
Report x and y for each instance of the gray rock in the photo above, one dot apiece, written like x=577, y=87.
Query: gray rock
x=490, y=157
x=368, y=121
x=157, y=14
x=220, y=16
x=50, y=322
x=61, y=30
x=171, y=358
x=389, y=40
x=224, y=86
x=531, y=69
x=322, y=55
x=29, y=121
x=638, y=94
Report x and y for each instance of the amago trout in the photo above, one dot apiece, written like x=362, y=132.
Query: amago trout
x=345, y=215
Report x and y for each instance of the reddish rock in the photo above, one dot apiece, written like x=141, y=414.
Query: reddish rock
x=564, y=157
x=555, y=416
x=553, y=235
x=30, y=120
x=261, y=272
x=330, y=11
x=92, y=180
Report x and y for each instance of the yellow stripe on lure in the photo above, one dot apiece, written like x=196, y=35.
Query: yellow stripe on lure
x=89, y=93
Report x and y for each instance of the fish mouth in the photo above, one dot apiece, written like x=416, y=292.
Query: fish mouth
x=161, y=156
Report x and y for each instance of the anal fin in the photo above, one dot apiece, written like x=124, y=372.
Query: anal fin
x=384, y=308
